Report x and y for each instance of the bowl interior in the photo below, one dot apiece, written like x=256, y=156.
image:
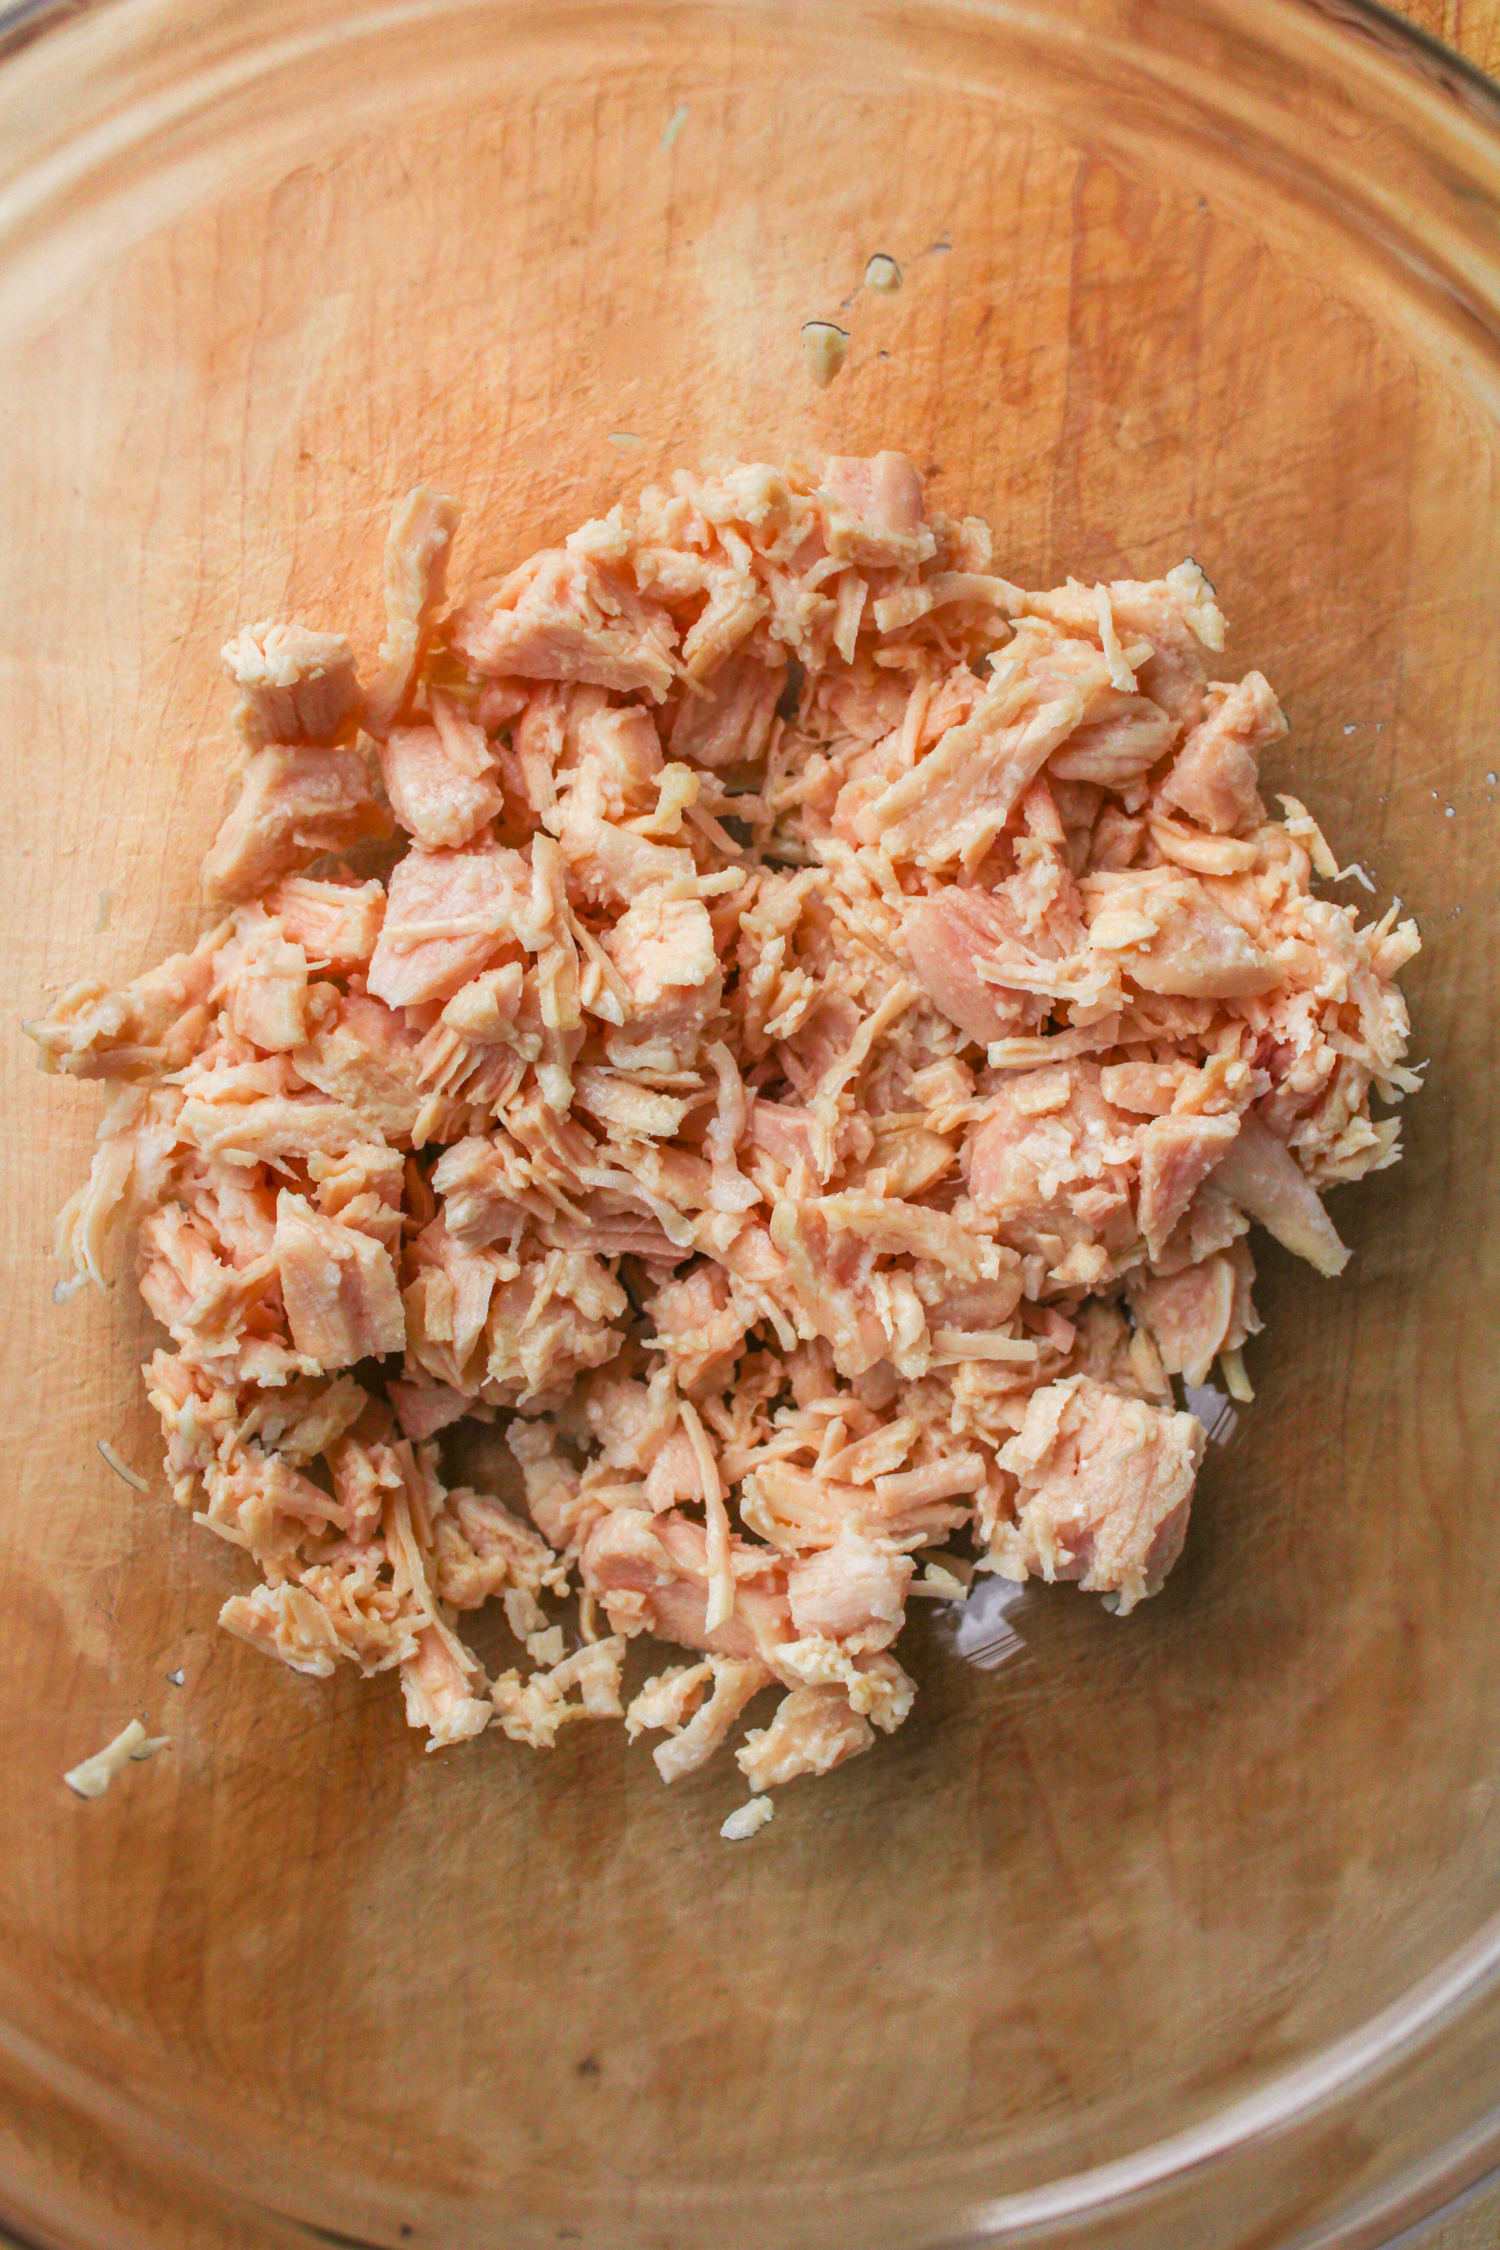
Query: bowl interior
x=1113, y=1877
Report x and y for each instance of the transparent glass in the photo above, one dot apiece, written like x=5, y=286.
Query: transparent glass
x=1179, y=1934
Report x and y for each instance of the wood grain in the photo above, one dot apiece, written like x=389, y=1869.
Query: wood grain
x=295, y=1973
x=1470, y=27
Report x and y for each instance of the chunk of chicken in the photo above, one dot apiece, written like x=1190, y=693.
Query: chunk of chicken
x=295, y=685
x=561, y=618
x=1105, y=1485
x=1168, y=935
x=1263, y=1177
x=1213, y=779
x=446, y=916
x=730, y=723
x=339, y=1287
x=294, y=803
x=953, y=804
x=873, y=512
x=854, y=1592
x=1191, y=1315
x=336, y=924
x=664, y=951
x=435, y=801
x=814, y=1730
x=416, y=579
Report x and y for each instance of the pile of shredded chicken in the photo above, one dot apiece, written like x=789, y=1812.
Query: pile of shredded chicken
x=826, y=1028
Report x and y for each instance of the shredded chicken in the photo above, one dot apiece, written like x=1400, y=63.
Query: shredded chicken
x=131, y=1744
x=809, y=1071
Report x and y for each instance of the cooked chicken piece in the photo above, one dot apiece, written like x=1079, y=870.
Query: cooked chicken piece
x=287, y=1623
x=1167, y=934
x=1263, y=1177
x=1105, y=1487
x=294, y=803
x=263, y=975
x=480, y=1548
x=814, y=1730
x=1195, y=1314
x=446, y=915
x=338, y=1285
x=1177, y=1155
x=699, y=1328
x=732, y=1683
x=336, y=924
x=1120, y=742
x=954, y=935
x=560, y=618
x=153, y=1025
x=729, y=723
x=663, y=950
x=438, y=1687
x=365, y=1058
x=653, y=1576
x=416, y=580
x=533, y=1710
x=1052, y=1166
x=873, y=512
x=434, y=799
x=952, y=805
x=1213, y=779
x=853, y=1592
x=295, y=685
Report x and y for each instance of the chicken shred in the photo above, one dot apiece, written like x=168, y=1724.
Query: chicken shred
x=828, y=1025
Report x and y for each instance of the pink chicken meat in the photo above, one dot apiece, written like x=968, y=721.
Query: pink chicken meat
x=806, y=1072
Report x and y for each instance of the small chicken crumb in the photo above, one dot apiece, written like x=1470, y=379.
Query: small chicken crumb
x=131, y=1744
x=883, y=275
x=824, y=350
x=942, y=1582
x=747, y=1818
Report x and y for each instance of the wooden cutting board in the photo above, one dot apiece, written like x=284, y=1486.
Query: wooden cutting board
x=1470, y=26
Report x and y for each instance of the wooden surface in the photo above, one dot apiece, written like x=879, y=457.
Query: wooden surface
x=1099, y=1887
x=1471, y=27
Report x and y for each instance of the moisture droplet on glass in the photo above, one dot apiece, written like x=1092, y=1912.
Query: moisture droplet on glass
x=883, y=274
x=824, y=349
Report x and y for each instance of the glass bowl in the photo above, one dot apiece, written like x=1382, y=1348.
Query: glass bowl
x=1174, y=1934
